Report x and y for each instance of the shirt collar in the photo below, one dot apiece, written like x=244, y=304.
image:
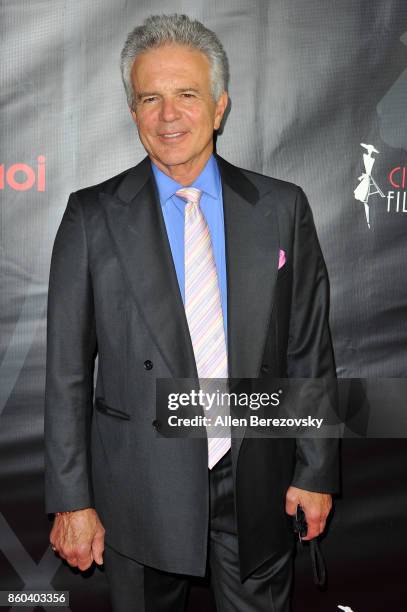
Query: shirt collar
x=208, y=181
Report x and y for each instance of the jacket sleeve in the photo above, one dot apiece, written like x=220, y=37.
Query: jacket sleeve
x=71, y=351
x=310, y=353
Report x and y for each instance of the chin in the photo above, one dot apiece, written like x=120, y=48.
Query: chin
x=174, y=159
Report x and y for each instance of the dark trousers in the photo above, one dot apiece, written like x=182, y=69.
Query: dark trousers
x=138, y=588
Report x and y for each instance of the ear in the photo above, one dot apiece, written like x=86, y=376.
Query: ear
x=220, y=108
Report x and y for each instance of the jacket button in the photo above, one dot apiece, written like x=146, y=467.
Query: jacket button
x=148, y=365
x=265, y=368
x=157, y=424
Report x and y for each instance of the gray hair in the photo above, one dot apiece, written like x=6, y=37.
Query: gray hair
x=158, y=30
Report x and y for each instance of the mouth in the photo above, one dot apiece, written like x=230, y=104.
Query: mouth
x=171, y=136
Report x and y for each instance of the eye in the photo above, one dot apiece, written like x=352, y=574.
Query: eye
x=149, y=99
x=187, y=95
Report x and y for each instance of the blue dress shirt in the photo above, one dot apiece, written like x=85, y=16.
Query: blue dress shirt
x=173, y=208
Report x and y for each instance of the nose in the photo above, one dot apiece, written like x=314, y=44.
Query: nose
x=168, y=110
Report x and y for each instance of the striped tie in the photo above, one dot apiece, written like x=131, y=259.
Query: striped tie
x=203, y=309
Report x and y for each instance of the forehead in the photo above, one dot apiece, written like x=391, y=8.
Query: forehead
x=170, y=63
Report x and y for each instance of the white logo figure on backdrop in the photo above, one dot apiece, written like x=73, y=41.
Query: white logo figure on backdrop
x=367, y=185
x=345, y=608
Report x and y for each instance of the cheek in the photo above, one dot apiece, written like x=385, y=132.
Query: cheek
x=147, y=123
x=201, y=120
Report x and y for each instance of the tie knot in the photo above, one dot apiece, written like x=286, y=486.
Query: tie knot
x=190, y=194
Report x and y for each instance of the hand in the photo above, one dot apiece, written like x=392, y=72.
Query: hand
x=316, y=507
x=78, y=537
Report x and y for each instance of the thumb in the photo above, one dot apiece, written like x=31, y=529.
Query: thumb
x=291, y=502
x=97, y=549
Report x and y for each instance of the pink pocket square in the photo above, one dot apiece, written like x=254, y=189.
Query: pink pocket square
x=281, y=259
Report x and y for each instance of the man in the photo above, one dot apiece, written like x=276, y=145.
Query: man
x=183, y=266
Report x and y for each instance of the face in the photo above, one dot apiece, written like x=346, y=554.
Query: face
x=175, y=112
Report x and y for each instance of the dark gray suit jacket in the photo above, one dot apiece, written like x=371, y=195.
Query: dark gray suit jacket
x=113, y=292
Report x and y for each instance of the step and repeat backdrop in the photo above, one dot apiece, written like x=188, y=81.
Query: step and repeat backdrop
x=318, y=97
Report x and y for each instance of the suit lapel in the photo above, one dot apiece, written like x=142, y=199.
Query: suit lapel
x=252, y=253
x=137, y=228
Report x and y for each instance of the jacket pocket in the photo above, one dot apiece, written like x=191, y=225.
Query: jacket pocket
x=101, y=406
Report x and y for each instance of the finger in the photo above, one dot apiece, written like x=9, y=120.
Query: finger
x=84, y=565
x=84, y=556
x=98, y=556
x=85, y=559
x=311, y=534
x=290, y=507
x=73, y=561
x=314, y=529
x=313, y=524
x=97, y=549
